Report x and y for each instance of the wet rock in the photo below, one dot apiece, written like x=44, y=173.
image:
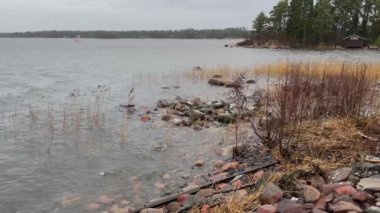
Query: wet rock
x=205, y=193
x=369, y=184
x=196, y=114
x=344, y=206
x=116, y=209
x=219, y=164
x=267, y=209
x=145, y=118
x=104, y=199
x=162, y=104
x=339, y=175
x=92, y=206
x=224, y=118
x=199, y=163
x=70, y=200
x=177, y=121
x=322, y=202
x=197, y=128
x=345, y=190
x=271, y=194
x=159, y=185
x=152, y=211
x=166, y=117
x=230, y=166
x=310, y=193
x=328, y=188
x=250, y=81
x=216, y=82
x=286, y=205
x=173, y=207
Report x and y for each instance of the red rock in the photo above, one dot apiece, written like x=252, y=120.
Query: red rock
x=360, y=196
x=205, y=208
x=222, y=187
x=345, y=190
x=199, y=163
x=328, y=188
x=182, y=198
x=345, y=206
x=258, y=175
x=219, y=164
x=237, y=184
x=219, y=176
x=339, y=175
x=230, y=166
x=145, y=118
x=205, y=193
x=267, y=209
x=271, y=194
x=322, y=202
x=310, y=193
x=92, y=206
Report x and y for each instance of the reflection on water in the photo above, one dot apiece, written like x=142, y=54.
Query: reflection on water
x=61, y=125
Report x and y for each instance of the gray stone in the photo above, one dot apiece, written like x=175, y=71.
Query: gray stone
x=369, y=184
x=339, y=175
x=344, y=206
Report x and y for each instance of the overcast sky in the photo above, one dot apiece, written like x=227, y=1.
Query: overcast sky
x=31, y=15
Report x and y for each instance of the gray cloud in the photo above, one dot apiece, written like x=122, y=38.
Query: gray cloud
x=23, y=15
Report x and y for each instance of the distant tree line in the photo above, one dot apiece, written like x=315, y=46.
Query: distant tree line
x=309, y=22
x=180, y=34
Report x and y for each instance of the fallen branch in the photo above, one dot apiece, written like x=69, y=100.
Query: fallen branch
x=170, y=198
x=367, y=137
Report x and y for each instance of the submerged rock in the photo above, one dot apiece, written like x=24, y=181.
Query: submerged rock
x=216, y=82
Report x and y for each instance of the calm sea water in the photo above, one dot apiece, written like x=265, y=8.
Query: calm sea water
x=54, y=144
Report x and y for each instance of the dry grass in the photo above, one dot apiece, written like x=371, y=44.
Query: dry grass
x=319, y=68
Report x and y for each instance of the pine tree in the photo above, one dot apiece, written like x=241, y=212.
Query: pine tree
x=323, y=23
x=295, y=25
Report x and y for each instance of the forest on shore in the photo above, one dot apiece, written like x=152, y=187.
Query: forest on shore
x=305, y=23
x=180, y=34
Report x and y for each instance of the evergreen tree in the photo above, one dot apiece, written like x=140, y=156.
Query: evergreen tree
x=278, y=19
x=323, y=22
x=295, y=25
x=260, y=24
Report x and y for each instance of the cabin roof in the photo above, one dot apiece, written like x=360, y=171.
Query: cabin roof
x=356, y=36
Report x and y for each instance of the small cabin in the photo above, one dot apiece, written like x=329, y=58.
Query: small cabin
x=354, y=41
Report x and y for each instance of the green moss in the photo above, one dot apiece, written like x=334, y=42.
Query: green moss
x=377, y=42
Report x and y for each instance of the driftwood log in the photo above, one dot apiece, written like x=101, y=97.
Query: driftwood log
x=170, y=198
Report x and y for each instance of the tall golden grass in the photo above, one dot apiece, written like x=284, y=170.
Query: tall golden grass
x=281, y=68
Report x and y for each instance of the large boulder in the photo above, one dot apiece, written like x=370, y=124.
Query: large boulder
x=371, y=184
x=271, y=194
